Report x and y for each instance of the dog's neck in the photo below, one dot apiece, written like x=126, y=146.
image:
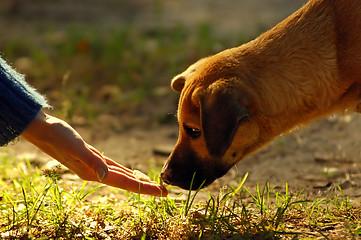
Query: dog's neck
x=295, y=73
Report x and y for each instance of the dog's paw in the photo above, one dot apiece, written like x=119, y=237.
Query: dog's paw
x=141, y=176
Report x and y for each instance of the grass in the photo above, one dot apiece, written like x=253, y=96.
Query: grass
x=41, y=205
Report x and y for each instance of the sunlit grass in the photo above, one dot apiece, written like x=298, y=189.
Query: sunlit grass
x=40, y=205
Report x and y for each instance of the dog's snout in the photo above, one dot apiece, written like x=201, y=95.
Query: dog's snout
x=185, y=171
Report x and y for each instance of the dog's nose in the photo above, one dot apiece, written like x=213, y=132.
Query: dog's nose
x=166, y=176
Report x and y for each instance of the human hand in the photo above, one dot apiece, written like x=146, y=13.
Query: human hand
x=60, y=141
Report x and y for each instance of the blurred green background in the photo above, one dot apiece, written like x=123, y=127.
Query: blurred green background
x=117, y=57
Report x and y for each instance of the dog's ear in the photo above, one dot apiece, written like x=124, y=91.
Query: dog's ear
x=178, y=82
x=222, y=111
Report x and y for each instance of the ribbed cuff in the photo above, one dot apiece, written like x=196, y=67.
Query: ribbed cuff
x=19, y=103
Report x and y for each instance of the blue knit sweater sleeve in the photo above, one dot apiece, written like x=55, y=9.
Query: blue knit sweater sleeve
x=19, y=103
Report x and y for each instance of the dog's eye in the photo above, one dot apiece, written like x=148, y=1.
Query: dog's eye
x=192, y=132
x=243, y=119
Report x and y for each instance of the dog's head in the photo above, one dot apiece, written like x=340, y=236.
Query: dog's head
x=216, y=126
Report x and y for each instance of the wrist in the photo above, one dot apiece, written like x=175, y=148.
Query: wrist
x=35, y=128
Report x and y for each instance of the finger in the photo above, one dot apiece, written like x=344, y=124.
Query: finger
x=82, y=170
x=132, y=175
x=135, y=174
x=130, y=183
x=118, y=167
x=111, y=163
x=122, y=177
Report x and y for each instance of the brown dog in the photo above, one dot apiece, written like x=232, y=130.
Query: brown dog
x=232, y=103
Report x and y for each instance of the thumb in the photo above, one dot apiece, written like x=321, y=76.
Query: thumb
x=94, y=160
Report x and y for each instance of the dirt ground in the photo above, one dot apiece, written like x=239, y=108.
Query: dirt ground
x=316, y=158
